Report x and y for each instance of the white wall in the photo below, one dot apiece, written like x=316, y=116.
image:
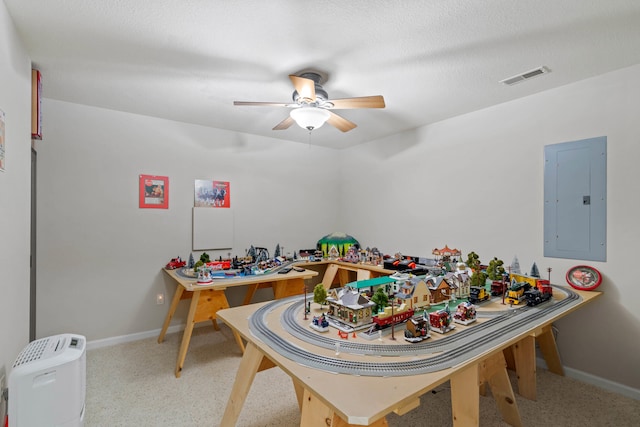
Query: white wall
x=100, y=256
x=475, y=182
x=15, y=189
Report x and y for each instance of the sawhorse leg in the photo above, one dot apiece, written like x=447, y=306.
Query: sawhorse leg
x=316, y=414
x=524, y=355
x=549, y=349
x=465, y=392
x=188, y=330
x=249, y=366
x=172, y=309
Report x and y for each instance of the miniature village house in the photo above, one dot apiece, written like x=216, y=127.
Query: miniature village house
x=460, y=283
x=349, y=306
x=420, y=296
x=439, y=288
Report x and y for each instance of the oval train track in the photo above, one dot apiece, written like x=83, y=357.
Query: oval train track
x=451, y=350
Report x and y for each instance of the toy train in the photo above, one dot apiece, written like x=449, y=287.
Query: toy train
x=386, y=318
x=527, y=289
x=478, y=294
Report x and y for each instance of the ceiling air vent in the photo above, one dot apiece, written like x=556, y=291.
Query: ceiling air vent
x=525, y=76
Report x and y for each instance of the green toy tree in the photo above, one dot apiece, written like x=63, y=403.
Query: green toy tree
x=380, y=298
x=473, y=261
x=495, y=269
x=479, y=278
x=320, y=294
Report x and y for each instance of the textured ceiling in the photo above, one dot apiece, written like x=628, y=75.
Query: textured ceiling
x=189, y=60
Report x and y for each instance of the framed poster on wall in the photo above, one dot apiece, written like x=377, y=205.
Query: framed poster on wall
x=154, y=191
x=212, y=194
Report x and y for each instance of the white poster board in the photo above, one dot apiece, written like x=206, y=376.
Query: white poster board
x=212, y=229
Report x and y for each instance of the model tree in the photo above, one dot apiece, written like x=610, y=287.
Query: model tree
x=479, y=278
x=380, y=298
x=534, y=271
x=276, y=253
x=473, y=261
x=191, y=261
x=204, y=258
x=495, y=269
x=320, y=294
x=515, y=265
x=252, y=253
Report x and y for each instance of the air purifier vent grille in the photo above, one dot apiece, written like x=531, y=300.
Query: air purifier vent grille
x=31, y=352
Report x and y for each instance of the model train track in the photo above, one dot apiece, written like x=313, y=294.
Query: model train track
x=428, y=356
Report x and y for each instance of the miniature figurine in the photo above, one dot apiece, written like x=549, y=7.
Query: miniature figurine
x=204, y=275
x=320, y=323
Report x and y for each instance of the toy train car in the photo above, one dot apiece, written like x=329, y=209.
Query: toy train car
x=515, y=294
x=539, y=290
x=535, y=296
x=534, y=282
x=224, y=264
x=498, y=287
x=400, y=314
x=478, y=294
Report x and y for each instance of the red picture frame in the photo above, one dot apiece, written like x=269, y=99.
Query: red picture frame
x=154, y=191
x=583, y=278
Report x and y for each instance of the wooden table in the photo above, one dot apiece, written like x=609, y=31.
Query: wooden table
x=207, y=300
x=340, y=273
x=344, y=400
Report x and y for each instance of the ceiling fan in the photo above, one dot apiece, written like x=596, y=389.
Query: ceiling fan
x=311, y=106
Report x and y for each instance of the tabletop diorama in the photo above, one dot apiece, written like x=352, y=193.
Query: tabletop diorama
x=414, y=299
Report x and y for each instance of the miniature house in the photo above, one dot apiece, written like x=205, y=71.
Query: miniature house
x=349, y=306
x=439, y=289
x=421, y=297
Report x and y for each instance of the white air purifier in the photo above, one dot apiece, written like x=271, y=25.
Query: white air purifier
x=47, y=383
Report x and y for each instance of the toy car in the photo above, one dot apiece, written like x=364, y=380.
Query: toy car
x=175, y=263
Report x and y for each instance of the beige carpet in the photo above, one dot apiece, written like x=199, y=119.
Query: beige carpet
x=133, y=384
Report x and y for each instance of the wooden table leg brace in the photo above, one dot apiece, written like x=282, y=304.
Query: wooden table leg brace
x=465, y=392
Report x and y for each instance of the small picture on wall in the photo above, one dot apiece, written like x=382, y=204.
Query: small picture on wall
x=212, y=194
x=154, y=191
x=1, y=140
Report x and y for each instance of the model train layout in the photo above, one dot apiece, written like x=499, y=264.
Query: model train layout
x=400, y=359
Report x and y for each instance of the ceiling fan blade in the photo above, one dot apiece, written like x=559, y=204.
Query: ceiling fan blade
x=340, y=122
x=376, y=101
x=285, y=124
x=306, y=88
x=264, y=104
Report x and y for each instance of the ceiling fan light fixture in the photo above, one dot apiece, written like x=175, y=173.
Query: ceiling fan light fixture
x=310, y=118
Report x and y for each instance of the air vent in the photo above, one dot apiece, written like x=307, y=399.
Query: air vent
x=525, y=76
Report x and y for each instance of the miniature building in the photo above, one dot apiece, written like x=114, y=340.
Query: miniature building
x=349, y=306
x=439, y=289
x=352, y=255
x=460, y=283
x=421, y=297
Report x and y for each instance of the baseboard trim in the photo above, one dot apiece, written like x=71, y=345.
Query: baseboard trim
x=569, y=372
x=121, y=339
x=600, y=382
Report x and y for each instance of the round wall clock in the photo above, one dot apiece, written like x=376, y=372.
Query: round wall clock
x=584, y=278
